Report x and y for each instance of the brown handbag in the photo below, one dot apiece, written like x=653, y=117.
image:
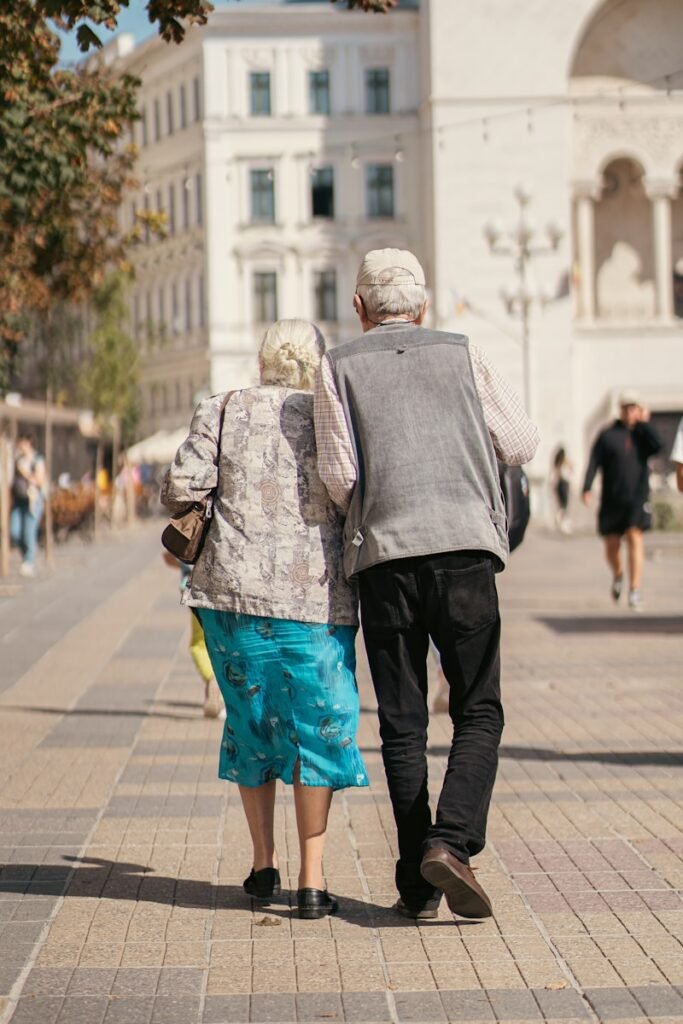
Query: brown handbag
x=186, y=531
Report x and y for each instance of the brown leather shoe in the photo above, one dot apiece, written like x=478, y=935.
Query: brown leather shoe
x=463, y=893
x=427, y=911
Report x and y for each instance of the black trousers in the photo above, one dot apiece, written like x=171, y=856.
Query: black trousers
x=452, y=598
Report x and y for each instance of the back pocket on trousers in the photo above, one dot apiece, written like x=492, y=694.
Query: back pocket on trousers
x=467, y=597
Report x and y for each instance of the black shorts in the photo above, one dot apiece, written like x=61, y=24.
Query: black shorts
x=620, y=518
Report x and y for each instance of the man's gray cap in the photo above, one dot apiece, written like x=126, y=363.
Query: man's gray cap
x=390, y=266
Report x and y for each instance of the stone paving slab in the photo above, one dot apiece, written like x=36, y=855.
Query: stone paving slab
x=122, y=856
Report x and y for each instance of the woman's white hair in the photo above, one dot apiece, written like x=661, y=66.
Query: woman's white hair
x=383, y=300
x=290, y=354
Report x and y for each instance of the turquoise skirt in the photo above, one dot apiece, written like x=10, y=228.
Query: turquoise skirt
x=290, y=693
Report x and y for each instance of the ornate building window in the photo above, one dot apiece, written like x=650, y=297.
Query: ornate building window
x=182, y=105
x=319, y=92
x=377, y=99
x=171, y=209
x=157, y=120
x=259, y=93
x=188, y=304
x=170, y=120
x=196, y=99
x=325, y=295
x=322, y=192
x=265, y=296
x=262, y=193
x=380, y=190
x=677, y=247
x=201, y=301
x=199, y=200
x=624, y=251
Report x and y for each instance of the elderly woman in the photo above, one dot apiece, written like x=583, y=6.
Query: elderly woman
x=278, y=615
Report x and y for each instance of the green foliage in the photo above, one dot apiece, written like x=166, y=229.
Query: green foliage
x=667, y=515
x=64, y=166
x=111, y=377
x=63, y=170
x=171, y=16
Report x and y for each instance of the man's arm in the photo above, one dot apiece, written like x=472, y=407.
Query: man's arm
x=648, y=440
x=515, y=438
x=336, y=462
x=594, y=464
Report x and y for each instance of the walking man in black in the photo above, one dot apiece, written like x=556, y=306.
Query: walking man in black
x=621, y=452
x=408, y=425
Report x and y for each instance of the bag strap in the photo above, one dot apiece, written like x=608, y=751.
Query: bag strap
x=225, y=401
x=218, y=446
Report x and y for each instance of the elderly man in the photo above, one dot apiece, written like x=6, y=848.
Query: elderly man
x=408, y=423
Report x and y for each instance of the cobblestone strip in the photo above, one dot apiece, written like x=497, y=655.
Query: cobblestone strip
x=389, y=995
x=32, y=685
x=538, y=921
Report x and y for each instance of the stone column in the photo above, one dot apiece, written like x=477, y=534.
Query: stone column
x=586, y=195
x=660, y=193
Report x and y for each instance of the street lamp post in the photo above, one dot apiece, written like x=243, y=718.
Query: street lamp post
x=519, y=244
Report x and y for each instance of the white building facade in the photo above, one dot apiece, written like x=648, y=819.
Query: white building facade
x=294, y=149
x=288, y=139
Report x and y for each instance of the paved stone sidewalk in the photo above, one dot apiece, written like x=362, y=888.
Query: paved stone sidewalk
x=122, y=854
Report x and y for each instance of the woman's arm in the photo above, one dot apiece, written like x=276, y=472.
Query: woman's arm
x=194, y=471
x=39, y=473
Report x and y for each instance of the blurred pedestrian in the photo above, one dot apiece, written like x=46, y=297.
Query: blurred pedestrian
x=621, y=452
x=28, y=501
x=677, y=455
x=278, y=615
x=213, y=706
x=560, y=479
x=409, y=422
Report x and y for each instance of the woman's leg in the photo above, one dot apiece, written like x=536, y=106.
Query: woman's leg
x=31, y=527
x=312, y=804
x=259, y=808
x=16, y=527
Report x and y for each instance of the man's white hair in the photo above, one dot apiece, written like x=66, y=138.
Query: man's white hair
x=389, y=299
x=290, y=354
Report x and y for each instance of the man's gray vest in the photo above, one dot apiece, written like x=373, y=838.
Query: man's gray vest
x=427, y=475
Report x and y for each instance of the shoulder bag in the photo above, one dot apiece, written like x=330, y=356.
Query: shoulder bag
x=186, y=531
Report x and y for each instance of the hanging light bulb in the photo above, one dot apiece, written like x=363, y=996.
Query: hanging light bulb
x=399, y=155
x=355, y=162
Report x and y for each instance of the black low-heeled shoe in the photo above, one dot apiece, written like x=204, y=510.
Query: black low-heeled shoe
x=263, y=884
x=314, y=903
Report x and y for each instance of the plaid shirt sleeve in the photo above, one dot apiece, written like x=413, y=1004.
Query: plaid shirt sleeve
x=336, y=461
x=515, y=438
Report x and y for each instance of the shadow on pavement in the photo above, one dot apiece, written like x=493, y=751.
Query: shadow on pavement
x=633, y=624
x=107, y=712
x=662, y=758
x=94, y=877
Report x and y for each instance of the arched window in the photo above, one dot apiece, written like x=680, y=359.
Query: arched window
x=677, y=243
x=624, y=245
